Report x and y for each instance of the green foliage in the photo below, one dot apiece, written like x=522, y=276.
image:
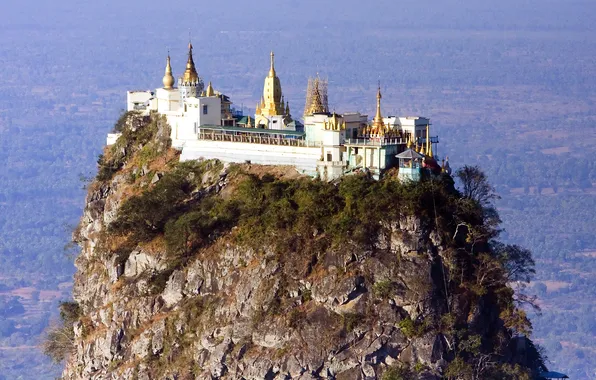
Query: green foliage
x=306, y=295
x=70, y=312
x=136, y=131
x=475, y=185
x=471, y=344
x=352, y=320
x=145, y=215
x=383, y=289
x=401, y=372
x=199, y=226
x=159, y=280
x=459, y=369
x=412, y=329
x=316, y=215
x=122, y=121
x=59, y=341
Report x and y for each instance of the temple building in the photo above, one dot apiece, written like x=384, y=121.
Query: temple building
x=204, y=125
x=189, y=83
x=273, y=112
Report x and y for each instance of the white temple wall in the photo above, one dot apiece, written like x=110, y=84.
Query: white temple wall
x=134, y=99
x=168, y=100
x=303, y=158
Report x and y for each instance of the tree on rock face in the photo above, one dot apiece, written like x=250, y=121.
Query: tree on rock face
x=475, y=185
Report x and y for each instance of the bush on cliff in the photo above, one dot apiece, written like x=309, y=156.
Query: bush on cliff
x=137, y=133
x=59, y=342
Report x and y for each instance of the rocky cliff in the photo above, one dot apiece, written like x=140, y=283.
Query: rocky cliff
x=204, y=270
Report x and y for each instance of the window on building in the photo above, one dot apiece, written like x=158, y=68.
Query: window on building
x=205, y=109
x=329, y=157
x=196, y=128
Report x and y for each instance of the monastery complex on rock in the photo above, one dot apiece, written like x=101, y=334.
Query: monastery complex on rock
x=205, y=126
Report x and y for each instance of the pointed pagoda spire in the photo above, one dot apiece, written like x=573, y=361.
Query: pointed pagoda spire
x=378, y=124
x=272, y=69
x=409, y=144
x=271, y=101
x=168, y=78
x=288, y=109
x=210, y=91
x=429, y=145
x=317, y=102
x=378, y=117
x=190, y=74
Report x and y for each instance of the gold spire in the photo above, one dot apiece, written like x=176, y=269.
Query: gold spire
x=272, y=69
x=210, y=91
x=248, y=122
x=288, y=109
x=317, y=103
x=168, y=78
x=271, y=102
x=409, y=144
x=429, y=145
x=190, y=74
x=422, y=148
x=378, y=124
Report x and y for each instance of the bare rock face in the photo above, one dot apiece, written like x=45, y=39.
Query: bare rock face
x=233, y=312
x=219, y=316
x=168, y=306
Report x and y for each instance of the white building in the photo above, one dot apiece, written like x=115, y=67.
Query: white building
x=328, y=145
x=138, y=100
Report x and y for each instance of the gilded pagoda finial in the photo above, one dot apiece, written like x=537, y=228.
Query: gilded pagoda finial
x=210, y=91
x=168, y=78
x=190, y=74
x=317, y=102
x=378, y=124
x=272, y=69
x=429, y=145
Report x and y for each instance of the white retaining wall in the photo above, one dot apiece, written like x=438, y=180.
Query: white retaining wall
x=303, y=158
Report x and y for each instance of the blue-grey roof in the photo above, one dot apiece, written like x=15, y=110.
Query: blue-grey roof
x=409, y=154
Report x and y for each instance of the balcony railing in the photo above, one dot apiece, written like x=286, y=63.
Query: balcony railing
x=376, y=141
x=257, y=139
x=382, y=141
